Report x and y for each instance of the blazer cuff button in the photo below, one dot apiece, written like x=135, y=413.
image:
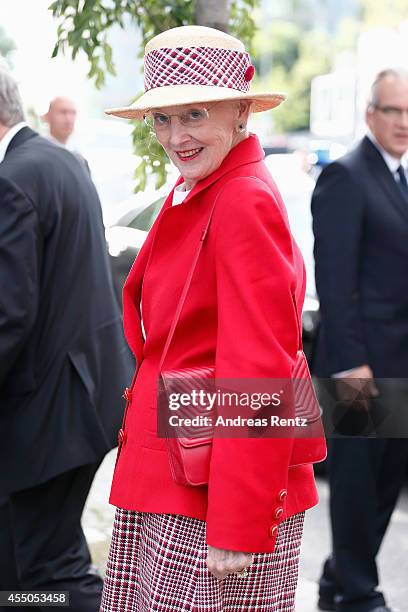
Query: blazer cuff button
x=278, y=513
x=121, y=436
x=127, y=394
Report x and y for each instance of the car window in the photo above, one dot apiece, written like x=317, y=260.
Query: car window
x=145, y=219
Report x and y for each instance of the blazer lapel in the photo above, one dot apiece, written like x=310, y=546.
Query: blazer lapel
x=131, y=305
x=383, y=176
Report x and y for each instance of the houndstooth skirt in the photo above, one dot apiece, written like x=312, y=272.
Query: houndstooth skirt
x=157, y=563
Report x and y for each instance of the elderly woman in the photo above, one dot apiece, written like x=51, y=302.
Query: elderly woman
x=232, y=543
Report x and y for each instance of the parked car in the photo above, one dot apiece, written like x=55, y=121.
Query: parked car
x=100, y=141
x=322, y=153
x=127, y=232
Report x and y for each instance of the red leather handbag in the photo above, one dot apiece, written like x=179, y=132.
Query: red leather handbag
x=190, y=457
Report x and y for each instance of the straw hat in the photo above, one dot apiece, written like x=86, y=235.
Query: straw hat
x=194, y=64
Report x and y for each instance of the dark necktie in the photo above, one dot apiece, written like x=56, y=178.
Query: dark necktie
x=402, y=183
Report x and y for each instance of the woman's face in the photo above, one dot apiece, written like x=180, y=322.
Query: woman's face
x=198, y=150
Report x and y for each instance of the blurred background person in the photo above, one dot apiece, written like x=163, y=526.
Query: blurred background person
x=360, y=222
x=61, y=117
x=63, y=362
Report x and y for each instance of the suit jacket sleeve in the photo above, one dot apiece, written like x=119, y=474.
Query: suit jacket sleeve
x=338, y=215
x=19, y=262
x=257, y=338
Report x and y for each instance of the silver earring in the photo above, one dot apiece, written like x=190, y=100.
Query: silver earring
x=241, y=128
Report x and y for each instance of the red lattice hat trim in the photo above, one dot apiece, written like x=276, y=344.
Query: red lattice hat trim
x=198, y=66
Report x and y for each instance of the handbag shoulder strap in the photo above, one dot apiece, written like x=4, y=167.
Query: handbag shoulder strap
x=186, y=287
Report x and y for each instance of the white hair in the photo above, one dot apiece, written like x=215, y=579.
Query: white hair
x=11, y=106
x=398, y=73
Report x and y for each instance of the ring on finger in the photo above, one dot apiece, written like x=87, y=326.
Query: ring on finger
x=242, y=574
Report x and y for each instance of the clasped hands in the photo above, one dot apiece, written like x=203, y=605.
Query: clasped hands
x=222, y=562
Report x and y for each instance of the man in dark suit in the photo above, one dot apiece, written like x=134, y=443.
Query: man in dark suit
x=360, y=219
x=63, y=360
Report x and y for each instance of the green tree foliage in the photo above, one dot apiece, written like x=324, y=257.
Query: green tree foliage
x=288, y=63
x=83, y=25
x=277, y=45
x=314, y=59
x=291, y=53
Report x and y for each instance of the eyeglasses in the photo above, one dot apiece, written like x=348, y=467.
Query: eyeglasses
x=392, y=112
x=192, y=117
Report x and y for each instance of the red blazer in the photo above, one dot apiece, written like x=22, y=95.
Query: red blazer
x=239, y=315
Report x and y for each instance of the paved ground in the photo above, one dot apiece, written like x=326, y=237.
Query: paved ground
x=393, y=561
x=393, y=558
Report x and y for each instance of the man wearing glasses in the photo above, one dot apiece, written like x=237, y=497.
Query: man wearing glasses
x=360, y=220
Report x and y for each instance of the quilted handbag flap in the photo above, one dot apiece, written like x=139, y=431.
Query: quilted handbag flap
x=187, y=380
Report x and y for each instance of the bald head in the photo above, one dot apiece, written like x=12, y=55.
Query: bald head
x=61, y=118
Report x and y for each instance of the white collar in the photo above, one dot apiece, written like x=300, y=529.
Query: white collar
x=393, y=163
x=179, y=194
x=8, y=137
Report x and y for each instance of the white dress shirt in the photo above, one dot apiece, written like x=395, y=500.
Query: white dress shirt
x=393, y=163
x=8, y=137
x=179, y=194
